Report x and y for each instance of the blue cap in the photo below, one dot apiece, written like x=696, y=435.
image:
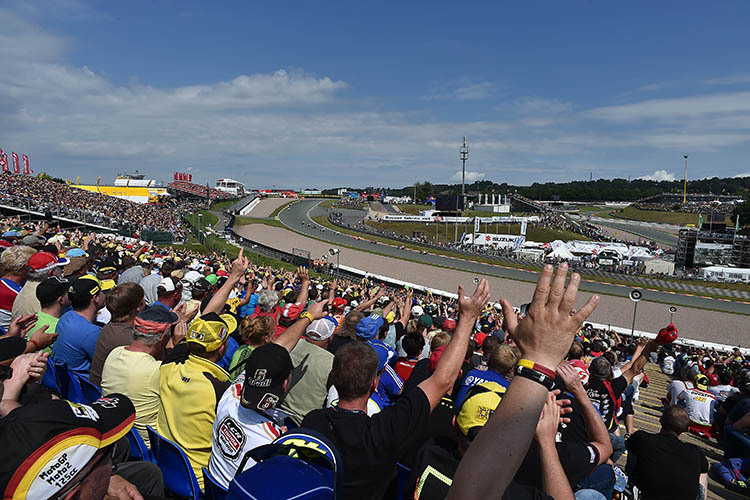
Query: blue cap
x=75, y=252
x=368, y=326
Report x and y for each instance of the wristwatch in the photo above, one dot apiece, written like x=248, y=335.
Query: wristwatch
x=307, y=315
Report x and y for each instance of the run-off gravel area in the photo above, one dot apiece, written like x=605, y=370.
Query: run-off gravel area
x=266, y=206
x=698, y=324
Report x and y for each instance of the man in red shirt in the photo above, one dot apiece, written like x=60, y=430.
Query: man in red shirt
x=413, y=344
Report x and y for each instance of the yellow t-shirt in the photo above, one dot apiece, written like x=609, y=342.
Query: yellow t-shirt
x=190, y=388
x=136, y=375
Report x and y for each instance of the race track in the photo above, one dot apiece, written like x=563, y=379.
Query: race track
x=515, y=284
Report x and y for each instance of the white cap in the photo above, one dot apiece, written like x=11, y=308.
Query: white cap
x=320, y=329
x=354, y=303
x=417, y=310
x=498, y=306
x=167, y=284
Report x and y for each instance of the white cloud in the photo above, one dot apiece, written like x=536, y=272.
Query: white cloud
x=470, y=176
x=659, y=175
x=729, y=80
x=540, y=106
x=744, y=174
x=680, y=108
x=463, y=90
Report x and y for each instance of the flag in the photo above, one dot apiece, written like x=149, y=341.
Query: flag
x=476, y=224
x=736, y=223
x=4, y=161
x=16, y=166
x=700, y=222
x=523, y=228
x=518, y=242
x=26, y=169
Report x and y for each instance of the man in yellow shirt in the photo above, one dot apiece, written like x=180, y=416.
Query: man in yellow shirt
x=191, y=383
x=133, y=370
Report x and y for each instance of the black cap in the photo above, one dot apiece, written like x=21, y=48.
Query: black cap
x=40, y=442
x=51, y=289
x=10, y=347
x=265, y=372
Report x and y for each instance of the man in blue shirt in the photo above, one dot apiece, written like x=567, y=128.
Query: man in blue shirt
x=500, y=364
x=76, y=330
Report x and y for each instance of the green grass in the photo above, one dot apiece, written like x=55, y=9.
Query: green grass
x=222, y=205
x=328, y=203
x=677, y=218
x=279, y=209
x=541, y=235
x=590, y=209
x=244, y=221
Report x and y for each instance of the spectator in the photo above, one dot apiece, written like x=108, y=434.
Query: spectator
x=413, y=344
x=662, y=466
x=699, y=404
x=150, y=283
x=191, y=383
x=500, y=365
x=52, y=294
x=370, y=446
x=254, y=332
x=168, y=293
x=133, y=272
x=133, y=370
x=41, y=265
x=667, y=363
x=13, y=272
x=76, y=342
x=722, y=391
x=311, y=366
x=124, y=302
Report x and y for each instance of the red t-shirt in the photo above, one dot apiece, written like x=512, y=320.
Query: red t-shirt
x=404, y=367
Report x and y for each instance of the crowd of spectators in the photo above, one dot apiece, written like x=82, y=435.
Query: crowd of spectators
x=44, y=196
x=474, y=398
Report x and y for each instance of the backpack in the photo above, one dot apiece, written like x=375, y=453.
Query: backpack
x=732, y=474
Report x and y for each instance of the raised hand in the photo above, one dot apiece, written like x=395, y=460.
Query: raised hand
x=21, y=325
x=545, y=333
x=41, y=338
x=317, y=309
x=472, y=306
x=239, y=266
x=549, y=420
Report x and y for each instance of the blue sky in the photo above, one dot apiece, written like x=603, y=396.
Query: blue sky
x=321, y=94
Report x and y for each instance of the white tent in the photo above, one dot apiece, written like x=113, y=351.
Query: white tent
x=561, y=253
x=731, y=274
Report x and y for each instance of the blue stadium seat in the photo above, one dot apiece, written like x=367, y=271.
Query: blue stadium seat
x=138, y=448
x=175, y=466
x=68, y=384
x=211, y=487
x=91, y=391
x=48, y=380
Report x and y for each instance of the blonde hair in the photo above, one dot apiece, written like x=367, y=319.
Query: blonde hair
x=13, y=260
x=255, y=331
x=439, y=339
x=502, y=359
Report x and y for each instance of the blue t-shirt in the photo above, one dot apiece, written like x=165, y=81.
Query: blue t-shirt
x=249, y=308
x=75, y=343
x=226, y=361
x=475, y=377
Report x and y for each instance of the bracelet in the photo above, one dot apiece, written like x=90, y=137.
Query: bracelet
x=33, y=342
x=538, y=377
x=307, y=315
x=537, y=367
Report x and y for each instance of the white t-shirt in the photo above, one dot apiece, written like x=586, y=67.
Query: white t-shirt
x=722, y=392
x=236, y=431
x=700, y=405
x=676, y=387
x=667, y=365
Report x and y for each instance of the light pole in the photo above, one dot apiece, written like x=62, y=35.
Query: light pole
x=684, y=185
x=463, y=153
x=337, y=253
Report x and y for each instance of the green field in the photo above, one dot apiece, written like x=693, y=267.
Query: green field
x=677, y=218
x=532, y=233
x=244, y=221
x=223, y=205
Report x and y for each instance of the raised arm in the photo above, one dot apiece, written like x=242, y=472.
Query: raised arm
x=216, y=304
x=543, y=336
x=291, y=335
x=554, y=481
x=597, y=431
x=305, y=285
x=442, y=379
x=638, y=363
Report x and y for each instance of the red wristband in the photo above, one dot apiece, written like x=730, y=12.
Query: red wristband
x=537, y=367
x=33, y=342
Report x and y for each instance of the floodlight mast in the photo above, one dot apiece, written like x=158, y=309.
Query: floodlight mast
x=464, y=155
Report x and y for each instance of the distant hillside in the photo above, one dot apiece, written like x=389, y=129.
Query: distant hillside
x=598, y=190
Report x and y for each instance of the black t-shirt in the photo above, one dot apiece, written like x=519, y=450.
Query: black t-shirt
x=602, y=400
x=433, y=471
x=664, y=467
x=371, y=446
x=336, y=342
